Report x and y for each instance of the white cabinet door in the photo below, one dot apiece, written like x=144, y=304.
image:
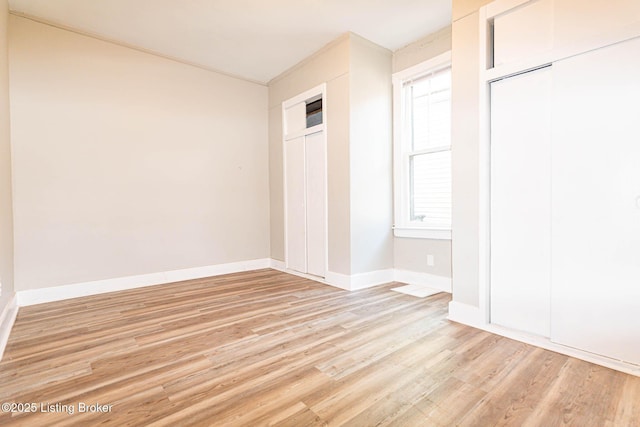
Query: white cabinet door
x=305, y=204
x=295, y=205
x=316, y=202
x=596, y=202
x=521, y=201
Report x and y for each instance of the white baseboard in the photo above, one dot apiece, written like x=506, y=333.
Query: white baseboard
x=349, y=282
x=547, y=344
x=338, y=280
x=472, y=316
x=355, y=282
x=466, y=314
x=372, y=278
x=7, y=319
x=276, y=264
x=415, y=278
x=58, y=293
x=281, y=266
x=343, y=281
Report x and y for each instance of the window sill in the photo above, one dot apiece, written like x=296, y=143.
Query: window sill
x=422, y=233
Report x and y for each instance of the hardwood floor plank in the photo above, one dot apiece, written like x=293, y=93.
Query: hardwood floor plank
x=267, y=348
x=628, y=408
x=436, y=410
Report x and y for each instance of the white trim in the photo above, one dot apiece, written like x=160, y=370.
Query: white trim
x=276, y=264
x=498, y=7
x=472, y=316
x=344, y=281
x=547, y=344
x=416, y=278
x=510, y=69
x=400, y=166
x=304, y=96
x=441, y=60
x=484, y=179
x=7, y=319
x=59, y=293
x=355, y=282
x=338, y=280
x=281, y=266
x=466, y=314
x=372, y=278
x=319, y=92
x=490, y=11
x=306, y=131
x=422, y=233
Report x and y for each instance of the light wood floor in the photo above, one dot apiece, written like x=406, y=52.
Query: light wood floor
x=267, y=348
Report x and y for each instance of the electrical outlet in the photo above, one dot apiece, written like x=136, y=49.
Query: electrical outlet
x=430, y=260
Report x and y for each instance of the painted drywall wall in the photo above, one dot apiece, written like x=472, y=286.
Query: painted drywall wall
x=370, y=141
x=6, y=203
x=330, y=65
x=126, y=163
x=422, y=50
x=412, y=254
x=465, y=159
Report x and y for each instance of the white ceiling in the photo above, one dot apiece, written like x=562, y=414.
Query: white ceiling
x=252, y=39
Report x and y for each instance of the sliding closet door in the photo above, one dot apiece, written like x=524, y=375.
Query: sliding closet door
x=520, y=201
x=596, y=202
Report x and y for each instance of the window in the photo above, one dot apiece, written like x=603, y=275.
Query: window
x=422, y=149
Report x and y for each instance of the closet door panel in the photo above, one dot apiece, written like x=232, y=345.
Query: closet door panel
x=295, y=183
x=520, y=201
x=316, y=196
x=596, y=202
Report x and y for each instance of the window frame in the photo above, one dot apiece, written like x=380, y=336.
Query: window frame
x=403, y=227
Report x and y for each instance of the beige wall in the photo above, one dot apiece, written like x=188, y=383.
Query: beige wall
x=338, y=189
x=465, y=159
x=371, y=157
x=330, y=65
x=411, y=254
x=6, y=204
x=126, y=163
x=422, y=50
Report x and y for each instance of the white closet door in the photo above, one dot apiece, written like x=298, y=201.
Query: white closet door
x=596, y=202
x=295, y=183
x=520, y=201
x=316, y=196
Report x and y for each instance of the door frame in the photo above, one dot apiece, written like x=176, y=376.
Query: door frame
x=317, y=92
